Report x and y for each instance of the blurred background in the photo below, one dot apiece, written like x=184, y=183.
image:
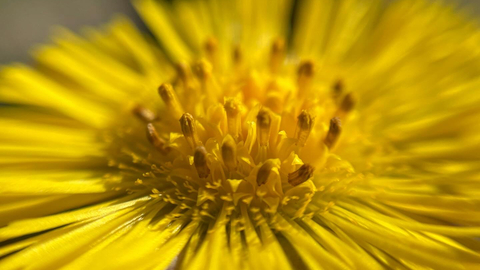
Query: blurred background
x=24, y=23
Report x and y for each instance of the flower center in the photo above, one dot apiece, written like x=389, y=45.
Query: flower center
x=240, y=141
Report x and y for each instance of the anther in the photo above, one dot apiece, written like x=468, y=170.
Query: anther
x=263, y=126
x=200, y=162
x=187, y=123
x=306, y=69
x=337, y=89
x=348, y=103
x=229, y=152
x=264, y=172
x=274, y=102
x=304, y=127
x=155, y=139
x=144, y=114
x=333, y=132
x=203, y=69
x=301, y=175
x=305, y=77
x=168, y=96
x=276, y=54
x=211, y=47
x=232, y=108
x=183, y=72
x=237, y=55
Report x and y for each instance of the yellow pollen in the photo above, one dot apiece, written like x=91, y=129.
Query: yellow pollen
x=242, y=128
x=301, y=175
x=333, y=132
x=200, y=162
x=304, y=126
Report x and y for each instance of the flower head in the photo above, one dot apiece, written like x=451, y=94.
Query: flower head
x=347, y=142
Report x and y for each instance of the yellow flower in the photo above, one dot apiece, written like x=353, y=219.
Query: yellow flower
x=320, y=134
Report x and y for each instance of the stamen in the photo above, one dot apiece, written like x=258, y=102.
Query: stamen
x=304, y=127
x=264, y=172
x=274, y=102
x=183, y=72
x=229, y=153
x=144, y=114
x=276, y=55
x=155, y=139
x=333, y=132
x=232, y=108
x=337, y=89
x=187, y=123
x=306, y=69
x=237, y=55
x=211, y=48
x=200, y=162
x=168, y=96
x=203, y=69
x=348, y=103
x=301, y=175
x=305, y=77
x=263, y=126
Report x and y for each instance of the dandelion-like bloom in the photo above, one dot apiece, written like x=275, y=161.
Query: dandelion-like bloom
x=349, y=141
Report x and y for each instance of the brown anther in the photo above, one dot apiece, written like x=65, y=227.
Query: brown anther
x=187, y=123
x=337, y=88
x=166, y=93
x=211, y=48
x=229, y=152
x=304, y=127
x=276, y=54
x=211, y=45
x=155, y=139
x=306, y=69
x=144, y=114
x=232, y=109
x=333, y=132
x=278, y=46
x=203, y=69
x=301, y=175
x=183, y=72
x=305, y=78
x=200, y=162
x=237, y=55
x=348, y=103
x=264, y=172
x=168, y=96
x=264, y=121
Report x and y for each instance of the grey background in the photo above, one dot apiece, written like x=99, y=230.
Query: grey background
x=24, y=23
